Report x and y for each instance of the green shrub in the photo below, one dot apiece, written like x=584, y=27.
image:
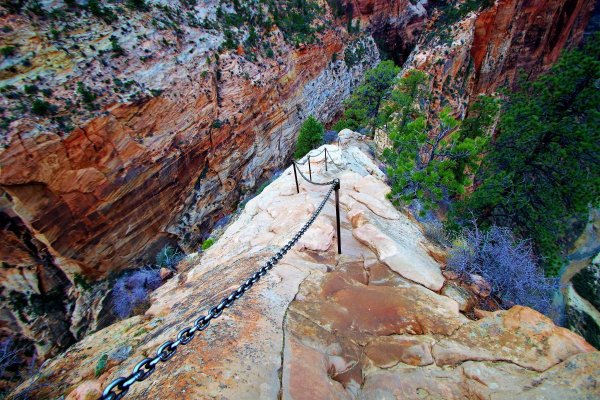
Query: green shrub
x=543, y=169
x=8, y=51
x=136, y=4
x=116, y=47
x=208, y=243
x=42, y=107
x=362, y=107
x=310, y=136
x=87, y=95
x=81, y=282
x=31, y=89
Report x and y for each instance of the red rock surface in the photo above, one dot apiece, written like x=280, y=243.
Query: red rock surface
x=155, y=169
x=321, y=325
x=138, y=174
x=528, y=35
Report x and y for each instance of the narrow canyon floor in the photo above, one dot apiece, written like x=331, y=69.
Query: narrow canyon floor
x=368, y=324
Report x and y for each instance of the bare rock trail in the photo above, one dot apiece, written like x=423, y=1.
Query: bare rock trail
x=369, y=324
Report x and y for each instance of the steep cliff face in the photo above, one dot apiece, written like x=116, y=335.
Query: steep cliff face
x=159, y=132
x=516, y=35
x=487, y=50
x=156, y=135
x=368, y=324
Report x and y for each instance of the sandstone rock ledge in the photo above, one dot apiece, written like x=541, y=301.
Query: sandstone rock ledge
x=369, y=324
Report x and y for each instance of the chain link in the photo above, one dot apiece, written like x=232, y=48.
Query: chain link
x=119, y=387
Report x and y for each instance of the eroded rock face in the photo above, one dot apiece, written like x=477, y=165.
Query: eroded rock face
x=486, y=50
x=321, y=325
x=520, y=335
x=146, y=170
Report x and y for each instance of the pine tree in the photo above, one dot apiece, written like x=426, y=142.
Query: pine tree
x=310, y=137
x=363, y=105
x=543, y=170
x=427, y=161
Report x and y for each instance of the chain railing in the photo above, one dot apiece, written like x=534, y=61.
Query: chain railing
x=119, y=387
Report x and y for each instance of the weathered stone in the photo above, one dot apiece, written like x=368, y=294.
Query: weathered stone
x=306, y=376
x=413, y=384
x=318, y=325
x=520, y=335
x=417, y=267
x=479, y=286
x=88, y=390
x=462, y=296
x=387, y=351
x=165, y=273
x=319, y=237
x=379, y=207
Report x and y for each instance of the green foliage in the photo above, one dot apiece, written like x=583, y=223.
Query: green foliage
x=13, y=6
x=427, y=163
x=354, y=54
x=361, y=108
x=31, y=89
x=296, y=19
x=101, y=365
x=338, y=8
x=543, y=170
x=81, y=282
x=8, y=51
x=41, y=107
x=207, y=243
x=36, y=8
x=116, y=47
x=87, y=95
x=101, y=11
x=452, y=11
x=310, y=136
x=136, y=4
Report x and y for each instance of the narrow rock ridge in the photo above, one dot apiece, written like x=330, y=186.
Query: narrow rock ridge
x=355, y=326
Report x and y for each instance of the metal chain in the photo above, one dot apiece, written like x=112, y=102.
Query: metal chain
x=118, y=388
x=308, y=156
x=333, y=162
x=311, y=181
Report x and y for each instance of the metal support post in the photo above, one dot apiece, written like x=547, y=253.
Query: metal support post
x=337, y=214
x=325, y=158
x=296, y=177
x=309, y=171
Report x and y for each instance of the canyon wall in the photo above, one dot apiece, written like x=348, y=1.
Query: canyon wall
x=155, y=139
x=159, y=132
x=371, y=323
x=487, y=50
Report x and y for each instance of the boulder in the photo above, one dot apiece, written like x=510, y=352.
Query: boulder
x=519, y=335
x=418, y=267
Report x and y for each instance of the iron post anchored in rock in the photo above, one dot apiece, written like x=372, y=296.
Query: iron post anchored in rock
x=296, y=177
x=336, y=187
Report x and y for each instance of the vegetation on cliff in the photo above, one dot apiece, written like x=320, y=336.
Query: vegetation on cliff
x=537, y=176
x=508, y=264
x=310, y=137
x=543, y=169
x=428, y=160
x=362, y=107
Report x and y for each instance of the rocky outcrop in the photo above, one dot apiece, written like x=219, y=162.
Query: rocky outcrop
x=173, y=133
x=322, y=325
x=581, y=282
